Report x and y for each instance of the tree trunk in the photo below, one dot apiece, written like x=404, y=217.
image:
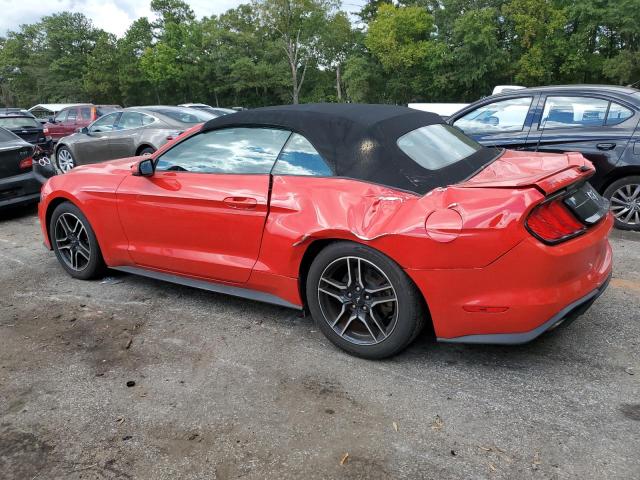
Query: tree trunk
x=294, y=82
x=338, y=86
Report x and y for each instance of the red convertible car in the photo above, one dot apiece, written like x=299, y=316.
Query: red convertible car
x=377, y=219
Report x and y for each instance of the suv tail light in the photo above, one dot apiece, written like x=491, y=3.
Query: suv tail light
x=552, y=222
x=26, y=163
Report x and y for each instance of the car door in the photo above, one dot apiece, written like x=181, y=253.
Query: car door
x=502, y=123
x=203, y=211
x=69, y=125
x=93, y=146
x=56, y=128
x=124, y=140
x=599, y=127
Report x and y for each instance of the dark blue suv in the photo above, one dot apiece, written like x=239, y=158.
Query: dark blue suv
x=599, y=121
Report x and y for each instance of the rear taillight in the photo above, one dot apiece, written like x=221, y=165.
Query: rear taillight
x=552, y=222
x=45, y=131
x=26, y=163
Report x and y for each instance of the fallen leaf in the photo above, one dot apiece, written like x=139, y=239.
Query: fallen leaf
x=629, y=370
x=344, y=458
x=120, y=420
x=128, y=345
x=395, y=426
x=437, y=424
x=492, y=467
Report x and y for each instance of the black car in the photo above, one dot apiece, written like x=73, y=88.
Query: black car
x=25, y=125
x=18, y=181
x=599, y=121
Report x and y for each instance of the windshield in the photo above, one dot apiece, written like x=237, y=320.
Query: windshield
x=186, y=115
x=19, y=122
x=436, y=146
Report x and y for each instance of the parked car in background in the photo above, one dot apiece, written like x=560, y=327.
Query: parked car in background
x=379, y=219
x=70, y=119
x=18, y=184
x=25, y=125
x=125, y=133
x=8, y=110
x=217, y=111
x=599, y=121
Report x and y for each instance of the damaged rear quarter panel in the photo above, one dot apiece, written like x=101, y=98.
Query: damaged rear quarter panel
x=306, y=209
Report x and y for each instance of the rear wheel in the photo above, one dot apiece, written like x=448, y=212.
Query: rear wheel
x=624, y=195
x=363, y=301
x=146, y=151
x=65, y=160
x=74, y=242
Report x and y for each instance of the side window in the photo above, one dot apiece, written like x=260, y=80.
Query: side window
x=147, y=119
x=230, y=150
x=129, y=120
x=618, y=114
x=497, y=117
x=298, y=157
x=85, y=113
x=73, y=114
x=573, y=112
x=61, y=116
x=104, y=124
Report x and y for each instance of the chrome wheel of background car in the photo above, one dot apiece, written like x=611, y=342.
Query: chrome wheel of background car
x=358, y=301
x=65, y=160
x=625, y=204
x=72, y=241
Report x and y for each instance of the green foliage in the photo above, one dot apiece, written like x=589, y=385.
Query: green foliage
x=280, y=51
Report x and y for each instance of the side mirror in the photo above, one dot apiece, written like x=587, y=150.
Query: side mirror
x=84, y=130
x=51, y=120
x=145, y=168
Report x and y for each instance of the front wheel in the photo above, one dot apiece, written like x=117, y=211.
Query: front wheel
x=624, y=195
x=363, y=301
x=75, y=243
x=65, y=160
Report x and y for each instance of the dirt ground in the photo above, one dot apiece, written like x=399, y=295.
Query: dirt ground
x=229, y=388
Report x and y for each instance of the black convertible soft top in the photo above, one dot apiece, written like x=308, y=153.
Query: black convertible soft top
x=359, y=141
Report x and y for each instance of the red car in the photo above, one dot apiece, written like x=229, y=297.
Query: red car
x=68, y=120
x=377, y=219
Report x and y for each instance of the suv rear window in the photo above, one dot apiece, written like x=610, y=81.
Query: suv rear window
x=19, y=122
x=437, y=146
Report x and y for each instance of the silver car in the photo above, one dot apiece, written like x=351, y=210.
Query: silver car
x=126, y=133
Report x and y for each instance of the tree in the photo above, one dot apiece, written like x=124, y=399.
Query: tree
x=296, y=24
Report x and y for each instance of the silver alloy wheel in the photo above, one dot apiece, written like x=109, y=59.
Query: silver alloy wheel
x=72, y=241
x=625, y=204
x=65, y=160
x=358, y=300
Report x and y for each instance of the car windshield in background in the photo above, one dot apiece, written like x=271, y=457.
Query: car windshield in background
x=19, y=122
x=186, y=115
x=218, y=112
x=436, y=146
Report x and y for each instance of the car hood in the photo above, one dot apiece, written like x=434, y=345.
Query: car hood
x=549, y=172
x=120, y=166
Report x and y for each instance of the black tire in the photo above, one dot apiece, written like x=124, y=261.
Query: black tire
x=612, y=193
x=146, y=151
x=62, y=223
x=65, y=160
x=402, y=326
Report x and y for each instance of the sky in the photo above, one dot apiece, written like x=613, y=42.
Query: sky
x=114, y=16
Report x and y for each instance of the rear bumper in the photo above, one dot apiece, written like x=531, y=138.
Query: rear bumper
x=19, y=189
x=564, y=317
x=520, y=295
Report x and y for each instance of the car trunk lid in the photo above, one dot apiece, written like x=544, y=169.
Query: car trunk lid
x=546, y=172
x=11, y=154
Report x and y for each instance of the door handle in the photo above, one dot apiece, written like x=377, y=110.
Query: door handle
x=246, y=203
x=606, y=146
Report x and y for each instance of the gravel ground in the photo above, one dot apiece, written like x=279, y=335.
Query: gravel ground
x=229, y=388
